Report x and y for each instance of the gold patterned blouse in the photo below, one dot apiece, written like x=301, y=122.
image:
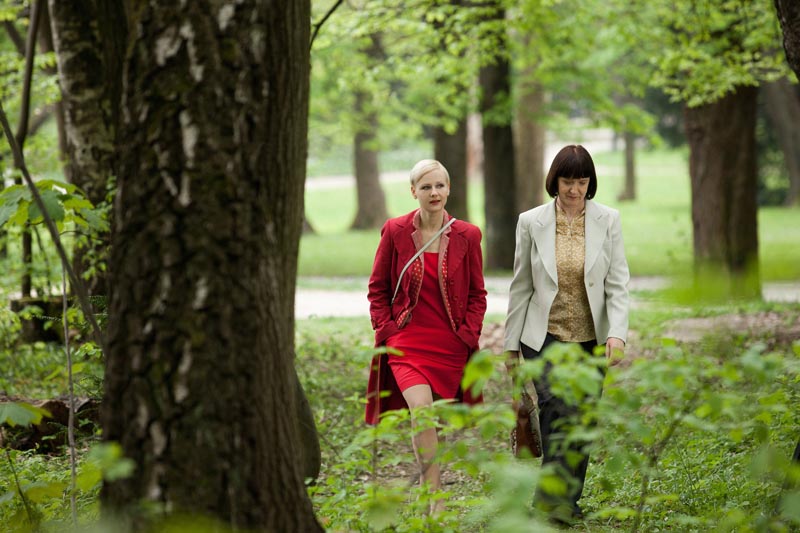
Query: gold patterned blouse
x=570, y=316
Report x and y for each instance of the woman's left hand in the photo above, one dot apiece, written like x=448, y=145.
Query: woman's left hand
x=615, y=349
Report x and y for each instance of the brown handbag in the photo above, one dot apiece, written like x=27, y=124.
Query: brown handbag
x=527, y=435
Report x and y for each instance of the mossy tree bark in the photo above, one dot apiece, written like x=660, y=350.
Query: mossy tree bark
x=789, y=17
x=722, y=167
x=87, y=74
x=200, y=387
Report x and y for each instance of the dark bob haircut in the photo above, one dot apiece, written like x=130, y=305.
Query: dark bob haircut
x=572, y=161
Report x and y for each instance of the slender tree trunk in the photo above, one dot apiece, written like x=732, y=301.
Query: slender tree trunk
x=46, y=46
x=84, y=77
x=629, y=192
x=498, y=150
x=450, y=149
x=722, y=166
x=371, y=202
x=530, y=146
x=37, y=7
x=200, y=387
x=783, y=107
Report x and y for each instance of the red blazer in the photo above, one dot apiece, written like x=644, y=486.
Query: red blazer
x=461, y=286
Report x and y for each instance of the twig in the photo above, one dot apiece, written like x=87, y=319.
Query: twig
x=16, y=38
x=30, y=52
x=77, y=283
x=71, y=421
x=28, y=511
x=319, y=24
x=654, y=455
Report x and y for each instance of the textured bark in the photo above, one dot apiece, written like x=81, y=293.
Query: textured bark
x=529, y=148
x=200, y=387
x=783, y=107
x=498, y=152
x=86, y=75
x=371, y=201
x=450, y=149
x=722, y=166
x=789, y=17
x=629, y=192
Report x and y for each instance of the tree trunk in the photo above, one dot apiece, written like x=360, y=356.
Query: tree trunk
x=629, y=192
x=530, y=145
x=450, y=149
x=722, y=166
x=200, y=387
x=789, y=17
x=371, y=202
x=783, y=107
x=84, y=75
x=498, y=149
x=46, y=45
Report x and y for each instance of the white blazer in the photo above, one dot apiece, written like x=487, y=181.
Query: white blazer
x=535, y=282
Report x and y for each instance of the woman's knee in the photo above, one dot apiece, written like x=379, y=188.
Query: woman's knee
x=418, y=396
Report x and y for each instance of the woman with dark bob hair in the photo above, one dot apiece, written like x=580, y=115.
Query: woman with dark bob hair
x=570, y=285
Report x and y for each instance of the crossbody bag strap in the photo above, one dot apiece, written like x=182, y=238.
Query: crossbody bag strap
x=419, y=252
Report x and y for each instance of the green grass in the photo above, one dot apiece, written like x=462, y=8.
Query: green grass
x=657, y=227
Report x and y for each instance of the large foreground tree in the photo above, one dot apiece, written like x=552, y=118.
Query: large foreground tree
x=200, y=386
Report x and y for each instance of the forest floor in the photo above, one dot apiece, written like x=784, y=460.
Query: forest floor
x=775, y=328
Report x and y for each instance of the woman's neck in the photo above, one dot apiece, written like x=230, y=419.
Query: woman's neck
x=571, y=212
x=431, y=221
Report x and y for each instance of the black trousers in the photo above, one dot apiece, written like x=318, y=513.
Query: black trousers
x=555, y=419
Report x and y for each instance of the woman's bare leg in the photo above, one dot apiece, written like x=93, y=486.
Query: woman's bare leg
x=426, y=442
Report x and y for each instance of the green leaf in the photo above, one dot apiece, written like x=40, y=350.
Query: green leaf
x=21, y=414
x=89, y=477
x=7, y=210
x=40, y=492
x=51, y=204
x=790, y=506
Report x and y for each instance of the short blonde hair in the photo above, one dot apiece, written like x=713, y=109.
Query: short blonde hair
x=426, y=166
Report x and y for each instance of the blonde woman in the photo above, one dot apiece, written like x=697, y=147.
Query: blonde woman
x=427, y=300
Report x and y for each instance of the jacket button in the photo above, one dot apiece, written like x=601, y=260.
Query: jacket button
x=591, y=283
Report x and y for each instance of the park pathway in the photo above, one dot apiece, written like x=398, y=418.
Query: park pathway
x=319, y=301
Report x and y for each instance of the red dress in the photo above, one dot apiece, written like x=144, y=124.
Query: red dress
x=432, y=352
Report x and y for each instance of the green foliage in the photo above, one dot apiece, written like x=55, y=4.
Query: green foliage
x=685, y=438
x=702, y=51
x=63, y=201
x=21, y=414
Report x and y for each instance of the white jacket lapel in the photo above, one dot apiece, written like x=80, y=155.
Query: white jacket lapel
x=595, y=234
x=544, y=235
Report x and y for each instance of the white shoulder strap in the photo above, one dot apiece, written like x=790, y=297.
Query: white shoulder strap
x=419, y=252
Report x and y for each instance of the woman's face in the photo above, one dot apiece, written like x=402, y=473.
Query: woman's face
x=431, y=191
x=572, y=192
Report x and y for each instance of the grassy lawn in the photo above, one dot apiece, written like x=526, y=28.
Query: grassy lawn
x=656, y=227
